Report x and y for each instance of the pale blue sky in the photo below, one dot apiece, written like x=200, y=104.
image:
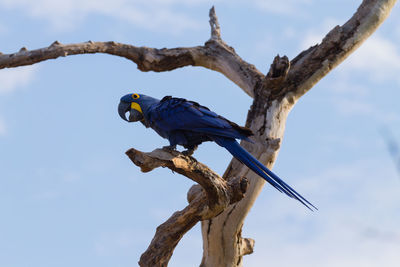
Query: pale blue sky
x=70, y=197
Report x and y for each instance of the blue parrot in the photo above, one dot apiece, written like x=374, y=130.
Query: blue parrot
x=189, y=124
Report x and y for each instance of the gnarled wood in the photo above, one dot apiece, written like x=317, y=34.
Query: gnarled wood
x=313, y=64
x=214, y=55
x=204, y=204
x=274, y=95
x=285, y=83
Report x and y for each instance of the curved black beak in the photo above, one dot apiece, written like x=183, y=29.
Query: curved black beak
x=123, y=108
x=134, y=115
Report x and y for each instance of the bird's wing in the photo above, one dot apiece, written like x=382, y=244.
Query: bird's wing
x=180, y=114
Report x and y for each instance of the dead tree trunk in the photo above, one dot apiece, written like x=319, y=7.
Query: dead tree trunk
x=220, y=204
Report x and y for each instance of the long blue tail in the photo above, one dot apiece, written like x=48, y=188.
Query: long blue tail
x=246, y=158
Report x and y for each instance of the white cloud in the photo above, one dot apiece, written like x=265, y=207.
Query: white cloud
x=315, y=36
x=350, y=98
x=353, y=106
x=378, y=57
x=13, y=78
x=376, y=60
x=158, y=15
x=284, y=7
x=344, y=86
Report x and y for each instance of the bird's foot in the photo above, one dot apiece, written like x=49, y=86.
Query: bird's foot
x=190, y=151
x=169, y=148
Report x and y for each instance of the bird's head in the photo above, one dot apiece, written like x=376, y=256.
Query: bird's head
x=136, y=105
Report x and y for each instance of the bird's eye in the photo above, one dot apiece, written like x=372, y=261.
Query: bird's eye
x=135, y=96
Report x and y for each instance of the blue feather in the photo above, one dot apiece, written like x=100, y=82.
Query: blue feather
x=189, y=124
x=246, y=158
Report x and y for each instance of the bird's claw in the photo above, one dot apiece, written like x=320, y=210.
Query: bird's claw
x=169, y=148
x=189, y=151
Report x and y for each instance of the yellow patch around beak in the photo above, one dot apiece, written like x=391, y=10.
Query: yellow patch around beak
x=136, y=106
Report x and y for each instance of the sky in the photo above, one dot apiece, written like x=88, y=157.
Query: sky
x=70, y=197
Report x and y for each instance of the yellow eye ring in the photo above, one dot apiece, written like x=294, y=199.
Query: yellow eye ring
x=135, y=96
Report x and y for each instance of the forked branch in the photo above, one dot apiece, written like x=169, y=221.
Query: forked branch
x=217, y=194
x=313, y=64
x=274, y=93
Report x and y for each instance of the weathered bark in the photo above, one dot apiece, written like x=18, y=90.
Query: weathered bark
x=214, y=55
x=204, y=204
x=284, y=85
x=274, y=95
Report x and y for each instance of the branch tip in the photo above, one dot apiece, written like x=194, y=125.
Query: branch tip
x=246, y=246
x=279, y=67
x=55, y=43
x=276, y=75
x=215, y=29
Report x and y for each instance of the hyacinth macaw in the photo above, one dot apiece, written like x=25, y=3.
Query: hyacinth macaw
x=188, y=124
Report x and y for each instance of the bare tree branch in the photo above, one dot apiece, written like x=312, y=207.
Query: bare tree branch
x=215, y=55
x=285, y=83
x=313, y=64
x=203, y=204
x=274, y=95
